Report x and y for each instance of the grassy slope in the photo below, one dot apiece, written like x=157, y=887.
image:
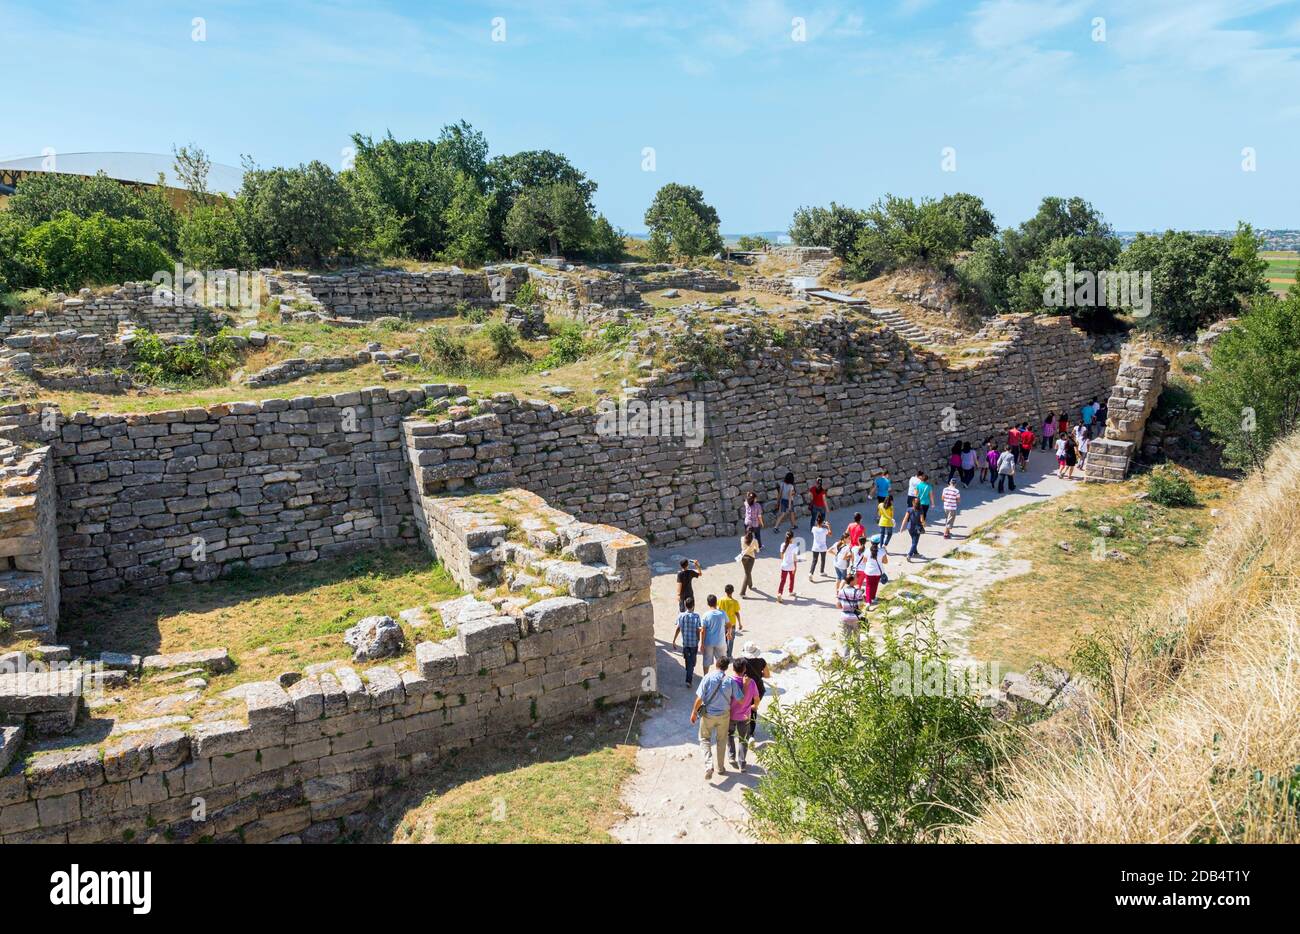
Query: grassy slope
x=1203, y=745
x=1038, y=616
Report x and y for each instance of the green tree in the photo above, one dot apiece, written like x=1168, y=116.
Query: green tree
x=681, y=217
x=985, y=276
x=753, y=243
x=1250, y=397
x=868, y=758
x=1195, y=279
x=70, y=252
x=604, y=242
x=41, y=197
x=211, y=238
x=402, y=190
x=510, y=176
x=467, y=224
x=974, y=219
x=1252, y=273
x=554, y=215
x=901, y=232
x=836, y=227
x=301, y=215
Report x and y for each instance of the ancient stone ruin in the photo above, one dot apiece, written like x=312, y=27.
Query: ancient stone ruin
x=1142, y=373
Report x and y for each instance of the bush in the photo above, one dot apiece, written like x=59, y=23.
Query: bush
x=202, y=361
x=1167, y=487
x=568, y=345
x=70, y=252
x=526, y=296
x=471, y=313
x=866, y=757
x=449, y=355
x=505, y=341
x=210, y=238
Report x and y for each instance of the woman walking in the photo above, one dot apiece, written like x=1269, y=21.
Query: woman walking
x=753, y=518
x=843, y=551
x=991, y=461
x=967, y=464
x=1007, y=469
x=1071, y=457
x=954, y=460
x=1061, y=441
x=748, y=552
x=873, y=566
x=885, y=520
x=820, y=533
x=785, y=502
x=1049, y=430
x=789, y=564
x=913, y=525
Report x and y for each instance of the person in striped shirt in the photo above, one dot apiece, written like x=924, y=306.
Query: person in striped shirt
x=951, y=502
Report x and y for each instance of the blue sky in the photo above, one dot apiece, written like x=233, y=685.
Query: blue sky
x=1149, y=124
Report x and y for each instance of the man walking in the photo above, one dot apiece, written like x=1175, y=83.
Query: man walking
x=712, y=709
x=951, y=501
x=713, y=633
x=731, y=606
x=688, y=627
x=686, y=583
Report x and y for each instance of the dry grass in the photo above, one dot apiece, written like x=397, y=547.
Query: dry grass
x=561, y=784
x=1039, y=615
x=1189, y=731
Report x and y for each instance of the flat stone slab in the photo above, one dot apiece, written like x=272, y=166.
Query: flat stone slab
x=40, y=692
x=120, y=661
x=214, y=660
x=121, y=727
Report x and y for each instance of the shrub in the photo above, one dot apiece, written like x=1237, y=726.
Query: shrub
x=505, y=341
x=202, y=361
x=866, y=757
x=69, y=252
x=526, y=296
x=449, y=355
x=568, y=345
x=471, y=313
x=1167, y=487
x=210, y=238
x=704, y=350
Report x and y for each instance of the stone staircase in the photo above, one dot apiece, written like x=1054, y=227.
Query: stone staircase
x=812, y=267
x=905, y=328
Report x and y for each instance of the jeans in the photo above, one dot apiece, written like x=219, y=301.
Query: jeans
x=758, y=533
x=1047, y=443
x=738, y=734
x=968, y=475
x=1010, y=479
x=731, y=643
x=886, y=533
x=709, y=654
x=817, y=557
x=713, y=737
x=688, y=659
x=916, y=541
x=818, y=514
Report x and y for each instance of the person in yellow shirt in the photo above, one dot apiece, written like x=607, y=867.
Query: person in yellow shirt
x=731, y=606
x=885, y=519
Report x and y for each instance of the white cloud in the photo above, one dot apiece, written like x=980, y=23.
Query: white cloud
x=1000, y=23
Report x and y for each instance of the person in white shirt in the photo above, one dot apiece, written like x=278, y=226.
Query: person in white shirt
x=843, y=552
x=789, y=562
x=1007, y=469
x=912, y=483
x=821, y=531
x=951, y=502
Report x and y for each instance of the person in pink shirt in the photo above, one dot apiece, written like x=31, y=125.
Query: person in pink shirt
x=746, y=696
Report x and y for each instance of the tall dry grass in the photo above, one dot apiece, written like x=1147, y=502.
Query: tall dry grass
x=1192, y=732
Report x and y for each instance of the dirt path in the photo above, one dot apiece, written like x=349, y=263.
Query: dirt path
x=669, y=800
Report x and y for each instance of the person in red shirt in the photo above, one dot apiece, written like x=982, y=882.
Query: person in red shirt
x=856, y=530
x=1013, y=438
x=1026, y=444
x=817, y=502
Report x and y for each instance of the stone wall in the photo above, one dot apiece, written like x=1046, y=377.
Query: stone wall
x=245, y=483
x=852, y=398
x=372, y=293
x=695, y=280
x=1141, y=377
x=297, y=367
x=300, y=765
x=578, y=293
x=772, y=285
x=134, y=303
x=29, y=547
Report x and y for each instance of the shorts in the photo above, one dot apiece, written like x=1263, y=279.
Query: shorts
x=784, y=506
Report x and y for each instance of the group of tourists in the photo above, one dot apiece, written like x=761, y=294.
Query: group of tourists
x=727, y=698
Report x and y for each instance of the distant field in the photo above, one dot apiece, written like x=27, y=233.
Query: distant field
x=1281, y=268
